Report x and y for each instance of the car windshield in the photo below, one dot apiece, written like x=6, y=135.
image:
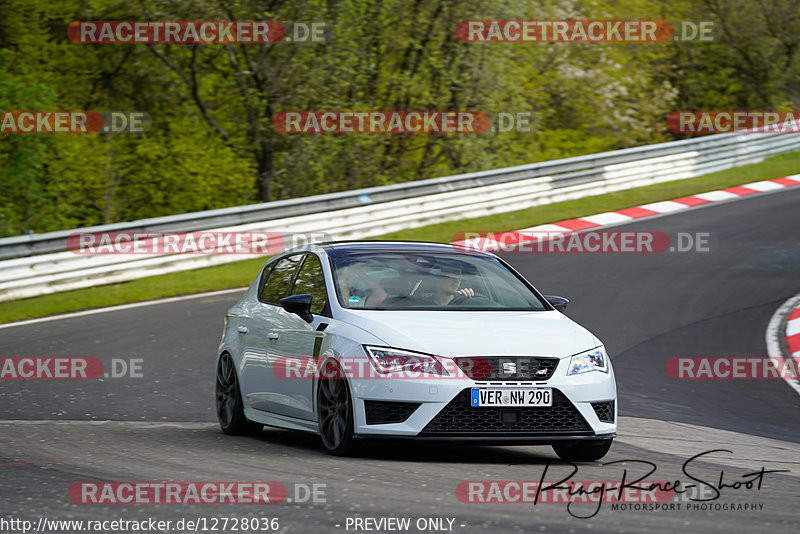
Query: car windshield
x=440, y=281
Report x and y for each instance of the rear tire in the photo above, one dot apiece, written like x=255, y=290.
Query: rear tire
x=229, y=401
x=582, y=450
x=335, y=411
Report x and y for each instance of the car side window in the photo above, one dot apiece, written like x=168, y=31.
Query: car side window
x=279, y=282
x=311, y=281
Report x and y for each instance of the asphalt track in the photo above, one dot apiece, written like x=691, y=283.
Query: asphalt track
x=647, y=308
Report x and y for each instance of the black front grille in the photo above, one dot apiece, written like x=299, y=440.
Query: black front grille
x=460, y=418
x=382, y=412
x=604, y=411
x=507, y=367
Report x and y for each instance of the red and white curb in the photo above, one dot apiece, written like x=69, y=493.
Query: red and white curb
x=793, y=332
x=785, y=323
x=498, y=241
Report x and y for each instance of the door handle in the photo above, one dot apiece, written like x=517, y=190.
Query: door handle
x=273, y=336
x=241, y=329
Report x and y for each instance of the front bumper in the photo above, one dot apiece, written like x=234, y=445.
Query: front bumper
x=584, y=407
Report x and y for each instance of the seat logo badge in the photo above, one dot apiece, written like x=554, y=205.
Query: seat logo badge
x=509, y=368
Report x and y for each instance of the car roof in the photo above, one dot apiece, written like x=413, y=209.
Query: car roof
x=342, y=248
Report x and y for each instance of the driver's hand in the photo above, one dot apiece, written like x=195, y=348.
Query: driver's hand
x=467, y=292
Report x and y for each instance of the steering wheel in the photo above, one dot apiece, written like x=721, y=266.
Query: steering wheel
x=476, y=300
x=459, y=299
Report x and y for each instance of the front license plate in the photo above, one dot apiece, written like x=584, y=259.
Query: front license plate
x=512, y=397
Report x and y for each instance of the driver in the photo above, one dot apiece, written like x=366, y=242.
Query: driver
x=447, y=283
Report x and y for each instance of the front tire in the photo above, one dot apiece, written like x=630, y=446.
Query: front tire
x=335, y=411
x=582, y=450
x=229, y=401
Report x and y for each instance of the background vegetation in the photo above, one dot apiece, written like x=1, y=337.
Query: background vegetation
x=212, y=143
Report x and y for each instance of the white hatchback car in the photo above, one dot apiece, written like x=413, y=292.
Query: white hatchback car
x=411, y=340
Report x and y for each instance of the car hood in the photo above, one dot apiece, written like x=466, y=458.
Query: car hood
x=475, y=333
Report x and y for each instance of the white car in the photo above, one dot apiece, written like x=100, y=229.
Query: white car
x=411, y=340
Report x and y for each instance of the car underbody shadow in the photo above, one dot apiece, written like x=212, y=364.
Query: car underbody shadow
x=416, y=450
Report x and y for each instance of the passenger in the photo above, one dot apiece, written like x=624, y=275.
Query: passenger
x=371, y=297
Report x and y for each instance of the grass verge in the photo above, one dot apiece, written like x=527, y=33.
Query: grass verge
x=240, y=274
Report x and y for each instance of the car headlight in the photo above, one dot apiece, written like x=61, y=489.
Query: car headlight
x=591, y=360
x=387, y=360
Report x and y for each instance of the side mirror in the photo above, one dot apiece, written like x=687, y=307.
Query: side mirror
x=559, y=303
x=300, y=305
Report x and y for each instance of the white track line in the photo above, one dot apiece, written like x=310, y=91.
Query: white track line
x=121, y=307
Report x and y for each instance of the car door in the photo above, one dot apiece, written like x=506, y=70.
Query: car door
x=255, y=329
x=294, y=345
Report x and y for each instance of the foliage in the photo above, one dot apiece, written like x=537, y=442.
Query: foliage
x=212, y=143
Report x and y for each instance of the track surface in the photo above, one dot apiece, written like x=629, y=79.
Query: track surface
x=646, y=308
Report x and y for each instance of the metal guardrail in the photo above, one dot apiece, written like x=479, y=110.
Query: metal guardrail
x=40, y=263
x=564, y=172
